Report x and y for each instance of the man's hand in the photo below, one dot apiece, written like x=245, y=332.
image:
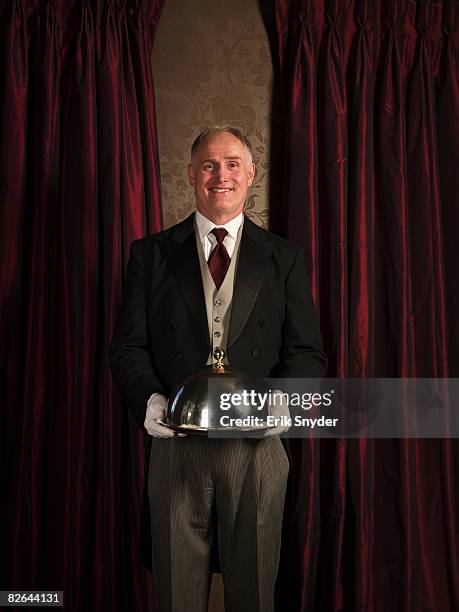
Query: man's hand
x=156, y=410
x=278, y=408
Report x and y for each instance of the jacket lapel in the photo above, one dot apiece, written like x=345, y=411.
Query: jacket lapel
x=255, y=251
x=183, y=257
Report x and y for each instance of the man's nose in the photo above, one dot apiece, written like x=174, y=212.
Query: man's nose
x=221, y=173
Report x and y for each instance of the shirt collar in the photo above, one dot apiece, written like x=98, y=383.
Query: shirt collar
x=205, y=225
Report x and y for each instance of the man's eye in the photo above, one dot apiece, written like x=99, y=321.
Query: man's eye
x=208, y=166
x=233, y=165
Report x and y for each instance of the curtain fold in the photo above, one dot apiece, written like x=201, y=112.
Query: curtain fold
x=370, y=95
x=79, y=177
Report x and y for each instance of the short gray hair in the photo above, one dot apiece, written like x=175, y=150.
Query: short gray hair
x=218, y=129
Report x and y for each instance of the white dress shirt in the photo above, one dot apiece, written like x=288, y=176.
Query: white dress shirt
x=208, y=240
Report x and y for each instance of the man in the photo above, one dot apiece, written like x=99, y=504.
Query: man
x=214, y=280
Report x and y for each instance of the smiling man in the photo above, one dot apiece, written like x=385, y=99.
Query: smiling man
x=214, y=280
x=221, y=171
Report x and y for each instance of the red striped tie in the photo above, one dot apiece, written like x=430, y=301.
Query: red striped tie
x=219, y=260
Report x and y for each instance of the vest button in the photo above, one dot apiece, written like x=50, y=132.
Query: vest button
x=218, y=303
x=255, y=353
x=173, y=325
x=217, y=334
x=261, y=322
x=217, y=319
x=179, y=355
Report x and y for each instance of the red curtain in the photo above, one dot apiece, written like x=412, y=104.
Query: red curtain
x=370, y=94
x=79, y=181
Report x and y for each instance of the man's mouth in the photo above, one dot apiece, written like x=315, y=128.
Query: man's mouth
x=220, y=189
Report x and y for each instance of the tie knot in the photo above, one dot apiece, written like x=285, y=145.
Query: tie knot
x=219, y=233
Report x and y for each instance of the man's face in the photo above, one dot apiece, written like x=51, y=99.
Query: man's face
x=221, y=172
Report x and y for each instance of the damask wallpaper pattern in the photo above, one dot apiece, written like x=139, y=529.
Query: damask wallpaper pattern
x=211, y=65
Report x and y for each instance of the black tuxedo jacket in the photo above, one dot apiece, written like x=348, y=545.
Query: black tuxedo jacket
x=161, y=335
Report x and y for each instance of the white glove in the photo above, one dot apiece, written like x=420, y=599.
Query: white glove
x=278, y=407
x=156, y=410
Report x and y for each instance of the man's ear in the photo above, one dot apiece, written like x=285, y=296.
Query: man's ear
x=191, y=174
x=252, y=173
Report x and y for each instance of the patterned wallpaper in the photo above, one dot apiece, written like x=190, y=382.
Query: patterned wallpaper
x=211, y=65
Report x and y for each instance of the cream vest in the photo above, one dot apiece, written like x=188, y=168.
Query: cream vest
x=218, y=302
